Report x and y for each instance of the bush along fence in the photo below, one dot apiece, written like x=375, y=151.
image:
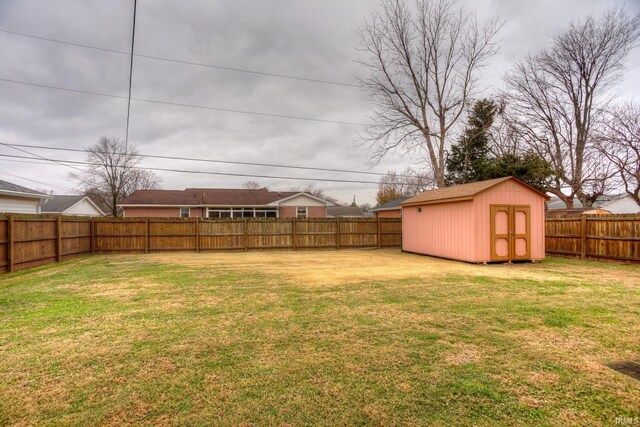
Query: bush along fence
x=31, y=240
x=595, y=237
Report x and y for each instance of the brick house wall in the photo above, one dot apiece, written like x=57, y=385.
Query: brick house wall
x=148, y=211
x=396, y=213
x=312, y=211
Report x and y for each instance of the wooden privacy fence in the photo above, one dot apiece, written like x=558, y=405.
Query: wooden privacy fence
x=597, y=237
x=30, y=240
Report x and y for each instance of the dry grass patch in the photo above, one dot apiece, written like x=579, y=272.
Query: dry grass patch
x=330, y=338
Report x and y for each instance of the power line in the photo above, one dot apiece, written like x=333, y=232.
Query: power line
x=150, y=156
x=68, y=163
x=37, y=182
x=177, y=61
x=176, y=104
x=133, y=38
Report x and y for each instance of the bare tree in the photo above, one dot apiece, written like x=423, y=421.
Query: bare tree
x=554, y=98
x=424, y=65
x=395, y=185
x=252, y=185
x=113, y=173
x=316, y=192
x=620, y=144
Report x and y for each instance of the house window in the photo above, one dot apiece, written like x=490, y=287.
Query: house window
x=301, y=212
x=242, y=212
x=185, y=212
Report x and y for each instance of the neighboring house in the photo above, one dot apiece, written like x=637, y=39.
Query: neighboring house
x=71, y=205
x=223, y=203
x=345, y=212
x=17, y=199
x=555, y=213
x=615, y=204
x=390, y=209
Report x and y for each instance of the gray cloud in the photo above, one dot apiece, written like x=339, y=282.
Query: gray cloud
x=303, y=38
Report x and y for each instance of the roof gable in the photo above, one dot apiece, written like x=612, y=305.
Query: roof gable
x=62, y=203
x=462, y=192
x=209, y=197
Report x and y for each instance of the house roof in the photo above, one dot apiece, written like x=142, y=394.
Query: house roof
x=461, y=192
x=207, y=196
x=60, y=203
x=392, y=205
x=601, y=201
x=576, y=211
x=344, y=211
x=9, y=187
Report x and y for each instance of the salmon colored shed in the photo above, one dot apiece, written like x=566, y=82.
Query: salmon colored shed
x=496, y=220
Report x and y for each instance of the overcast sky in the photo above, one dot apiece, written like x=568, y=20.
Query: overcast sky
x=312, y=39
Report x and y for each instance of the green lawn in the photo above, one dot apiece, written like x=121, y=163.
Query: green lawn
x=332, y=338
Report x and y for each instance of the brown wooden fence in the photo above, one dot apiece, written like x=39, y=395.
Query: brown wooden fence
x=31, y=240
x=597, y=237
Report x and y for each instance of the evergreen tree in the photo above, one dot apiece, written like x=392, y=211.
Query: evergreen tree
x=469, y=159
x=528, y=167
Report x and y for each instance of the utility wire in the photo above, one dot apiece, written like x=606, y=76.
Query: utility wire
x=38, y=182
x=230, y=162
x=177, y=61
x=68, y=163
x=202, y=107
x=133, y=38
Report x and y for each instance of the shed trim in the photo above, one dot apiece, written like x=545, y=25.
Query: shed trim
x=468, y=192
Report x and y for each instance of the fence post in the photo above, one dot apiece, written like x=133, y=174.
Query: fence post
x=197, y=234
x=10, y=239
x=338, y=233
x=294, y=242
x=246, y=241
x=92, y=239
x=583, y=237
x=58, y=238
x=146, y=236
x=378, y=230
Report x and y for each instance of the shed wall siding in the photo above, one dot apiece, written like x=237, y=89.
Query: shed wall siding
x=19, y=205
x=508, y=193
x=445, y=230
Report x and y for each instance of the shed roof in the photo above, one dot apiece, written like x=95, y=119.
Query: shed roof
x=461, y=192
x=394, y=204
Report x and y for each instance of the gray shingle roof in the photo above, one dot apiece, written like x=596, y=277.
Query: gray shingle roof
x=8, y=186
x=344, y=211
x=391, y=205
x=59, y=204
x=557, y=203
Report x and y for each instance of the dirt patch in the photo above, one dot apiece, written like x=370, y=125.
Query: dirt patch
x=629, y=368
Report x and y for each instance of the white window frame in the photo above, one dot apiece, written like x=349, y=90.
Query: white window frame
x=188, y=212
x=306, y=211
x=239, y=212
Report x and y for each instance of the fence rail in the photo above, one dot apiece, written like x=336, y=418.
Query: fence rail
x=30, y=240
x=596, y=237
